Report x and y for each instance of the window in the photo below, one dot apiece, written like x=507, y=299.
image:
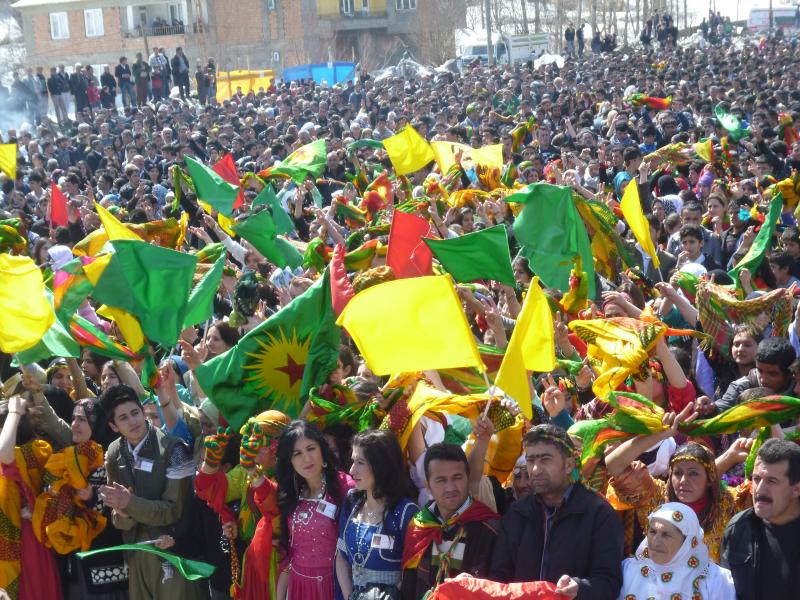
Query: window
x=406, y=5
x=348, y=7
x=271, y=4
x=93, y=20
x=59, y=26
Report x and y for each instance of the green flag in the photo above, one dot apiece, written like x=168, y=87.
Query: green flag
x=283, y=222
x=212, y=188
x=277, y=363
x=306, y=160
x=479, y=255
x=150, y=282
x=731, y=124
x=291, y=255
x=190, y=569
x=550, y=233
x=755, y=255
x=259, y=229
x=200, y=305
x=56, y=342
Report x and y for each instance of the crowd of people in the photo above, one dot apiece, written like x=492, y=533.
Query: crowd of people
x=35, y=96
x=658, y=459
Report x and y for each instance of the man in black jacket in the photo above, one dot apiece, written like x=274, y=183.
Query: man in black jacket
x=761, y=545
x=56, y=86
x=561, y=532
x=180, y=72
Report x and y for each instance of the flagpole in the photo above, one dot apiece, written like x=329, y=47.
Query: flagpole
x=490, y=389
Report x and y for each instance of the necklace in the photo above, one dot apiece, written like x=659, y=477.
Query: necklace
x=372, y=516
x=363, y=550
x=302, y=517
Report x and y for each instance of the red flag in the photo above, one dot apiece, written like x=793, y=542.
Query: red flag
x=226, y=169
x=341, y=288
x=383, y=186
x=471, y=588
x=408, y=255
x=59, y=215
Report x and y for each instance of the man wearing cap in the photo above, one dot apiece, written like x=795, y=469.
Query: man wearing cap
x=471, y=122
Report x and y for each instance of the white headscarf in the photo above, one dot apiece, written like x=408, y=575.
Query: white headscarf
x=684, y=573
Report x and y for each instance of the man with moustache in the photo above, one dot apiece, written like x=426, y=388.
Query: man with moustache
x=561, y=531
x=761, y=545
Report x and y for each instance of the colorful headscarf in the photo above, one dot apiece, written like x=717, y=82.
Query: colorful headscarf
x=261, y=430
x=681, y=577
x=620, y=179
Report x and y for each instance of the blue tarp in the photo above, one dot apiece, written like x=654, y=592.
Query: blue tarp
x=335, y=72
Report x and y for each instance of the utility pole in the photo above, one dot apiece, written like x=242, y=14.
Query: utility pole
x=488, y=18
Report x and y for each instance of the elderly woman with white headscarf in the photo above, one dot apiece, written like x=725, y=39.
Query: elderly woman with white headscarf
x=672, y=562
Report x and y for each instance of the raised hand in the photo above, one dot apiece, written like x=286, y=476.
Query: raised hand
x=216, y=444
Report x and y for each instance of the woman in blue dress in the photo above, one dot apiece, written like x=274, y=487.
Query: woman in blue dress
x=373, y=525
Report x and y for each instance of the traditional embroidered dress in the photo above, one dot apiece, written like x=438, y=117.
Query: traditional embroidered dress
x=313, y=534
x=689, y=575
x=27, y=569
x=638, y=489
x=374, y=564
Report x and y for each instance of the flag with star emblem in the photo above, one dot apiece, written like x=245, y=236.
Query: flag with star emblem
x=276, y=364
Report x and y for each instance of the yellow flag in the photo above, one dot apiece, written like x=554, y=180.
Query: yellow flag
x=531, y=348
x=488, y=156
x=95, y=269
x=127, y=324
x=427, y=399
x=225, y=222
x=632, y=211
x=411, y=325
x=115, y=230
x=8, y=160
x=24, y=322
x=705, y=150
x=91, y=244
x=408, y=151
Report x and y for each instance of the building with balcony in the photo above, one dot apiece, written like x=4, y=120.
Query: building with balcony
x=240, y=34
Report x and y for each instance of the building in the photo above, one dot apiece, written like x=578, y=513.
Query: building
x=240, y=33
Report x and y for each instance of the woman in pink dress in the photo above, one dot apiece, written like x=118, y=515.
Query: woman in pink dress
x=310, y=494
x=28, y=570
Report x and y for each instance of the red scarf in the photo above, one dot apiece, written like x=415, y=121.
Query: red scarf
x=699, y=505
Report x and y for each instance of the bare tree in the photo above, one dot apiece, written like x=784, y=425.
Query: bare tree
x=436, y=39
x=524, y=16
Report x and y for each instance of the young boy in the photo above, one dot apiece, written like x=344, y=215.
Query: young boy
x=149, y=486
x=691, y=237
x=781, y=266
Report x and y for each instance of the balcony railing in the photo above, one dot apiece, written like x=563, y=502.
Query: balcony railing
x=365, y=13
x=149, y=31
